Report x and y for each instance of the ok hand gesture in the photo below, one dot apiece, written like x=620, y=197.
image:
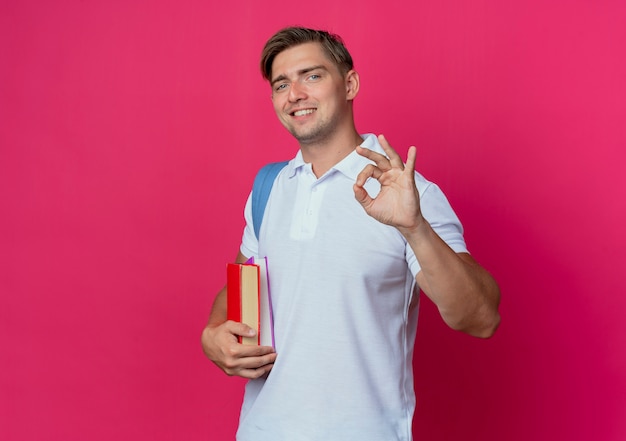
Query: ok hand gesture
x=398, y=203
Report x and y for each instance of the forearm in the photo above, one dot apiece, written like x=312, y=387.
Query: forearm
x=465, y=293
x=218, y=311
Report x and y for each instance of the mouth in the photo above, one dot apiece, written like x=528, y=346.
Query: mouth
x=302, y=112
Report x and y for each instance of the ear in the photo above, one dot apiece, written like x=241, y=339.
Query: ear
x=352, y=83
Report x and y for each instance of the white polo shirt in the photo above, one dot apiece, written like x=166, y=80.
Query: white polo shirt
x=341, y=285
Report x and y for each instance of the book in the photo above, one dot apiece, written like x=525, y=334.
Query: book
x=249, y=301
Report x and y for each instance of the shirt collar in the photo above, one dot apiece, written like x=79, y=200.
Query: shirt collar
x=354, y=163
x=351, y=165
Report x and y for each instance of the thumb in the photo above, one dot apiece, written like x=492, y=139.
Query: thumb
x=242, y=329
x=361, y=195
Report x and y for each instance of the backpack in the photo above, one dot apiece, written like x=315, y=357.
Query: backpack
x=261, y=189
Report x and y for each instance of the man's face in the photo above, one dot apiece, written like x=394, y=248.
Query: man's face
x=309, y=93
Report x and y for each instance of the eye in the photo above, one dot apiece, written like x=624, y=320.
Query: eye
x=314, y=77
x=280, y=87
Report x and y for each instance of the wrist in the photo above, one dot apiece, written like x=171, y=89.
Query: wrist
x=414, y=232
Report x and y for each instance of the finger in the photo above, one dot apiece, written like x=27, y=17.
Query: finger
x=254, y=351
x=369, y=171
x=361, y=195
x=253, y=367
x=248, y=356
x=394, y=159
x=381, y=160
x=411, y=158
x=255, y=373
x=254, y=362
x=236, y=364
x=241, y=329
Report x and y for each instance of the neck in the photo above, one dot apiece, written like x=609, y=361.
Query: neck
x=324, y=154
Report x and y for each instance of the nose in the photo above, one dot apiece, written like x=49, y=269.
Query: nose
x=296, y=92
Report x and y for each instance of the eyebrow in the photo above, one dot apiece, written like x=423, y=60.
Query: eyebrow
x=299, y=73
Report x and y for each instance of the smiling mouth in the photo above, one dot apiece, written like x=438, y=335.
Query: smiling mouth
x=302, y=112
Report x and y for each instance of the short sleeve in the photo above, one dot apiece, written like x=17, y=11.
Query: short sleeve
x=249, y=243
x=439, y=213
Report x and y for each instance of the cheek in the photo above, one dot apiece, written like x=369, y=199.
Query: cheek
x=276, y=104
x=278, y=110
x=335, y=95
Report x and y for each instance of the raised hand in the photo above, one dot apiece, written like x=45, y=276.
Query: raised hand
x=398, y=203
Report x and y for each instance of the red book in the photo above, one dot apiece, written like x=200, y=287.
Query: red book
x=248, y=299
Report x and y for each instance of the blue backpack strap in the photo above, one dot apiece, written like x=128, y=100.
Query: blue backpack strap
x=261, y=190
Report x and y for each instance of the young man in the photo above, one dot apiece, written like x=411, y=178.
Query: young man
x=351, y=235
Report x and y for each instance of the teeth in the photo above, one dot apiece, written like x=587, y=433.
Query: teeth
x=303, y=112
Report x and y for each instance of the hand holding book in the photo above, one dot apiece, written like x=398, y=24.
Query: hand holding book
x=249, y=300
x=220, y=341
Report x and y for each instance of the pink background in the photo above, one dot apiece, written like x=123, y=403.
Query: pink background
x=129, y=135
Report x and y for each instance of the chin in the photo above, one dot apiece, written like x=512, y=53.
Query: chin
x=313, y=136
